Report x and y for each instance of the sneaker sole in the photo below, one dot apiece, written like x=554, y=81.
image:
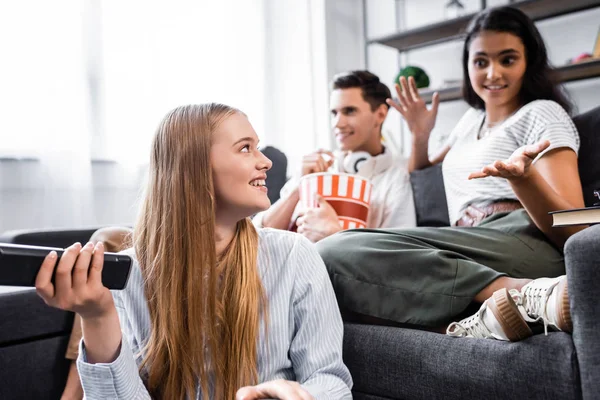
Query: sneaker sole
x=507, y=313
x=564, y=322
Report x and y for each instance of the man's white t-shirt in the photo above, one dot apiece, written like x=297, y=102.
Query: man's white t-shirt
x=535, y=121
x=392, y=204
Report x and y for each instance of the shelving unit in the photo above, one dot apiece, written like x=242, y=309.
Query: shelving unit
x=449, y=30
x=452, y=29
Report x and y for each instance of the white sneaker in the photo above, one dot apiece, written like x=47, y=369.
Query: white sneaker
x=546, y=300
x=498, y=318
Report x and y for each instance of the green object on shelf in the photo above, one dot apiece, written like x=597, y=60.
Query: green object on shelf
x=420, y=76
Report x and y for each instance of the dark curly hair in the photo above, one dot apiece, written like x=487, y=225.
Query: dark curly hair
x=373, y=90
x=539, y=81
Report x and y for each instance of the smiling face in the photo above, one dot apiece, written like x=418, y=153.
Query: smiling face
x=496, y=67
x=239, y=169
x=356, y=127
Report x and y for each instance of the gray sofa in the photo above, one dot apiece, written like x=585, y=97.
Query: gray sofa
x=385, y=362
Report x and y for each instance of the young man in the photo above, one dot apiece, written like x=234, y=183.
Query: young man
x=358, y=110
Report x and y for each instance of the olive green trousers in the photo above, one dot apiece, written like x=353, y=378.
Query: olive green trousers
x=428, y=276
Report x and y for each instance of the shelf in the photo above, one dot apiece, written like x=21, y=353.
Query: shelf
x=567, y=73
x=453, y=29
x=582, y=70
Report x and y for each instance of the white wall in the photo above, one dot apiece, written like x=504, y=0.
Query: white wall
x=296, y=116
x=345, y=36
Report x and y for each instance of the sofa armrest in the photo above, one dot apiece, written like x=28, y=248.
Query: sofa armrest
x=582, y=259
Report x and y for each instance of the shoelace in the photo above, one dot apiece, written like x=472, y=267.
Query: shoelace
x=534, y=301
x=473, y=326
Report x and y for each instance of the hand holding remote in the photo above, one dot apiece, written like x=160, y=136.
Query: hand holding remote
x=78, y=281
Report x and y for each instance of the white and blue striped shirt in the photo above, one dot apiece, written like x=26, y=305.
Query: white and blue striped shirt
x=305, y=328
x=535, y=121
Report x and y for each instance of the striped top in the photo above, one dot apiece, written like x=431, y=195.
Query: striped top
x=535, y=121
x=305, y=328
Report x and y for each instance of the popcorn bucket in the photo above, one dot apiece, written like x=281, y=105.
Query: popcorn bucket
x=349, y=195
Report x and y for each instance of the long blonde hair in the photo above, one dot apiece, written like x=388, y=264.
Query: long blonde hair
x=205, y=312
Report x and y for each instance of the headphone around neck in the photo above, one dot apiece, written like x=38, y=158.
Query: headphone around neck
x=352, y=162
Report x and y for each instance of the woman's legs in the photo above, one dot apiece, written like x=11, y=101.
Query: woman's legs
x=537, y=300
x=503, y=282
x=427, y=276
x=506, y=314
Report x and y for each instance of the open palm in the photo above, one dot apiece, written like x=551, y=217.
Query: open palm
x=516, y=166
x=412, y=107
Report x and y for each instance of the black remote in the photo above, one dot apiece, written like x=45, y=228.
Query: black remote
x=19, y=266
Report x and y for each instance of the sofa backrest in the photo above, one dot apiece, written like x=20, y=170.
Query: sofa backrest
x=588, y=126
x=277, y=175
x=429, y=195
x=48, y=237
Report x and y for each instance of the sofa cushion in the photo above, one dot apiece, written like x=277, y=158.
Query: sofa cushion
x=33, y=342
x=401, y=363
x=588, y=125
x=429, y=194
x=35, y=369
x=24, y=316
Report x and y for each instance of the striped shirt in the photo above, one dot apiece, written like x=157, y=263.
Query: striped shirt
x=305, y=328
x=535, y=121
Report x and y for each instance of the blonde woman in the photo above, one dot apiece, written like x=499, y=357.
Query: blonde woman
x=213, y=309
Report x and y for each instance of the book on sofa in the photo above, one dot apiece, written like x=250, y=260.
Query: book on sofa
x=577, y=216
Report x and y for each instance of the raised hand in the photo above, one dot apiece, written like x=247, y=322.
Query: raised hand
x=516, y=166
x=319, y=222
x=279, y=389
x=315, y=162
x=78, y=281
x=413, y=109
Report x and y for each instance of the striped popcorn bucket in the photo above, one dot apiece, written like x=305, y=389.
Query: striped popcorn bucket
x=349, y=195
